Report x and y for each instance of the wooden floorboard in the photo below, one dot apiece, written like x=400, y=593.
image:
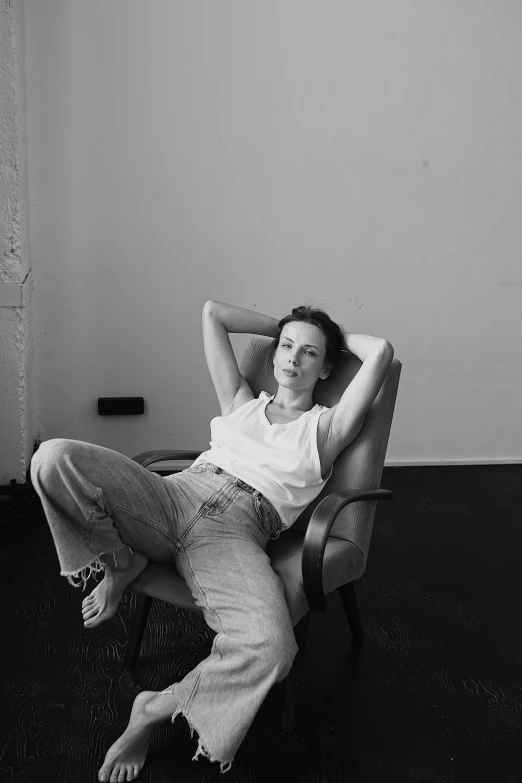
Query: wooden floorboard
x=434, y=696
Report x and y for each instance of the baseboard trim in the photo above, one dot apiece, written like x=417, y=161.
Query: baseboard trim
x=182, y=464
x=456, y=462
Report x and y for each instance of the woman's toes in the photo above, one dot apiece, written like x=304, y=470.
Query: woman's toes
x=88, y=613
x=91, y=620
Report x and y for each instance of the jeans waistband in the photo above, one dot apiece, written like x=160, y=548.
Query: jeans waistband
x=239, y=482
x=276, y=519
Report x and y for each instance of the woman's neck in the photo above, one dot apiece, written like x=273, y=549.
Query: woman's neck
x=288, y=400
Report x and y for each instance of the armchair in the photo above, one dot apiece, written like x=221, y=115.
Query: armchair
x=327, y=547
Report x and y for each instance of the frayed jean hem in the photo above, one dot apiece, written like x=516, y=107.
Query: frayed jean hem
x=224, y=766
x=94, y=568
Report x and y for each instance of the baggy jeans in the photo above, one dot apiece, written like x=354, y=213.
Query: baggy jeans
x=214, y=528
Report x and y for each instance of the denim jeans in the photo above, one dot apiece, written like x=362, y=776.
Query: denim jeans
x=214, y=528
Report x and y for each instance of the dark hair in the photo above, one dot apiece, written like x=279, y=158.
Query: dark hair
x=317, y=317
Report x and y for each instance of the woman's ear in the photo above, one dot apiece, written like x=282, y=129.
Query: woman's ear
x=326, y=372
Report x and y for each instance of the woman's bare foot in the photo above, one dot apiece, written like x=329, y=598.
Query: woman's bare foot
x=126, y=757
x=103, y=602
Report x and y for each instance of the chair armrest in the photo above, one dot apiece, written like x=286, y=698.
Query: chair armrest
x=317, y=534
x=147, y=458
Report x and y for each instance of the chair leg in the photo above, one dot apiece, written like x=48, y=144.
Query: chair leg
x=293, y=681
x=137, y=630
x=353, y=615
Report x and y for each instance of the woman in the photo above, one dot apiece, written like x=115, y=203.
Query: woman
x=269, y=458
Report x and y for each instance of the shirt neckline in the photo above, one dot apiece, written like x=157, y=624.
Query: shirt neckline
x=288, y=423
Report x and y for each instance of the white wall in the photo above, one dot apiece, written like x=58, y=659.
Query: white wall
x=366, y=155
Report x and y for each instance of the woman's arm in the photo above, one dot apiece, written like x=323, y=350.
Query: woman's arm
x=363, y=345
x=239, y=320
x=220, y=320
x=342, y=423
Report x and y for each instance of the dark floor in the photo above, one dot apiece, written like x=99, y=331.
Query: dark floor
x=434, y=696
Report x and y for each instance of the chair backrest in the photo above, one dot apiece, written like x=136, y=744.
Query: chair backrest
x=360, y=465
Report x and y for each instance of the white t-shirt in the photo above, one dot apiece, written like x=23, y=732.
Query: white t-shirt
x=279, y=460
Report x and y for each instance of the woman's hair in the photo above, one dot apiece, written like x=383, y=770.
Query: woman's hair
x=317, y=317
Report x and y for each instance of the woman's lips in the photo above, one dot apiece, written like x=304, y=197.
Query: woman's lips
x=289, y=372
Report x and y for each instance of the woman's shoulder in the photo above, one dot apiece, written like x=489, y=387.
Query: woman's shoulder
x=244, y=405
x=320, y=408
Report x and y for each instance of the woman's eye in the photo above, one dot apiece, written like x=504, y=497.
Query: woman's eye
x=285, y=345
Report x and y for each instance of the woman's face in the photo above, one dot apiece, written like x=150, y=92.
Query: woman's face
x=299, y=360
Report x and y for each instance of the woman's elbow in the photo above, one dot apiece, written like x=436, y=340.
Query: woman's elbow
x=388, y=348
x=386, y=351
x=210, y=308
